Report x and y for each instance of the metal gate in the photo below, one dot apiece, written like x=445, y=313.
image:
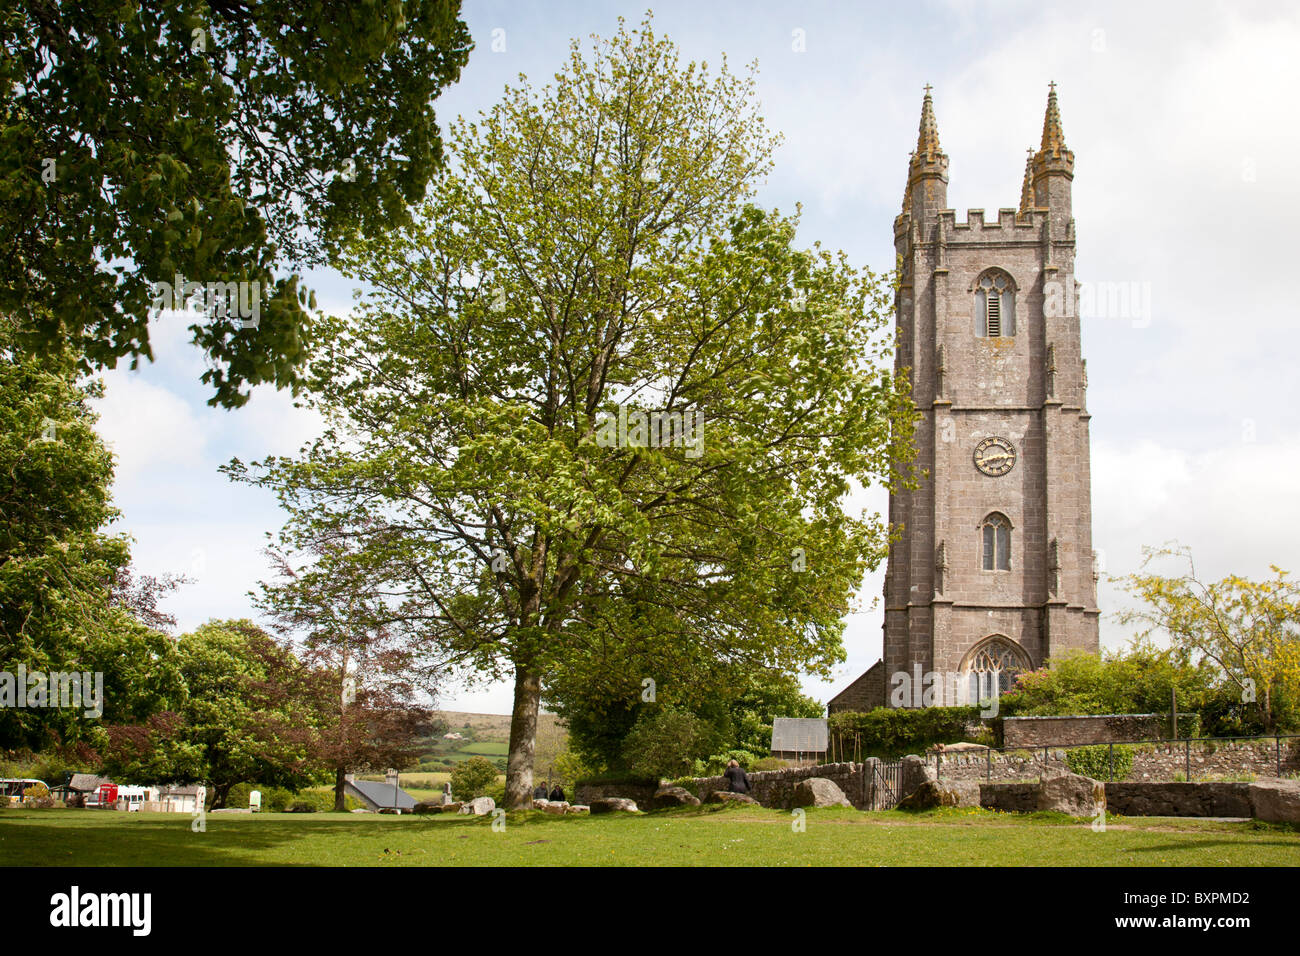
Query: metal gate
x=884, y=784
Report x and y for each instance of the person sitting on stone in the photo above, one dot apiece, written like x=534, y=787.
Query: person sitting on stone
x=557, y=795
x=737, y=779
x=539, y=792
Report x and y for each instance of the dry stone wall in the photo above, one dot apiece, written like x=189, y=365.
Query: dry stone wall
x=775, y=788
x=1150, y=761
x=1079, y=730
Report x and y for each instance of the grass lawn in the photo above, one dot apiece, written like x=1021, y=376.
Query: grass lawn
x=704, y=836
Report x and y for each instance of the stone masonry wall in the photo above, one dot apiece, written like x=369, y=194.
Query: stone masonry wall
x=1079, y=730
x=775, y=788
x=771, y=788
x=1150, y=761
x=584, y=793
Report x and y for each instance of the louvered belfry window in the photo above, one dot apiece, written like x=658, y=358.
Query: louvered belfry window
x=995, y=306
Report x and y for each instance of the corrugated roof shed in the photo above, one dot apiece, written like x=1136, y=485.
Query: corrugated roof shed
x=802, y=734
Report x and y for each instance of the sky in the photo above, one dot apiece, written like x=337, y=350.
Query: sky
x=1185, y=140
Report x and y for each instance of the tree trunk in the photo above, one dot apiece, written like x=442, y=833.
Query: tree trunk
x=523, y=739
x=340, y=797
x=219, y=794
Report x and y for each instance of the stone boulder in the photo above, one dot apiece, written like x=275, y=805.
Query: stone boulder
x=576, y=808
x=913, y=772
x=818, y=792
x=541, y=804
x=1073, y=794
x=479, y=806
x=428, y=806
x=558, y=807
x=453, y=807
x=674, y=797
x=1277, y=801
x=942, y=793
x=613, y=805
x=727, y=797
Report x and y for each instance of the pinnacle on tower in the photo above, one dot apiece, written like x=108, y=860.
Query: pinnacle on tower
x=927, y=140
x=1027, y=186
x=1053, y=152
x=928, y=165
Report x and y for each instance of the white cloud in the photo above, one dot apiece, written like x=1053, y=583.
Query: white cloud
x=147, y=426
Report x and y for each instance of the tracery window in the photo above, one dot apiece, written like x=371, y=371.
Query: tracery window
x=993, y=666
x=995, y=541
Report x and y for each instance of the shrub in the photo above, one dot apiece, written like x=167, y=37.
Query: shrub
x=276, y=799
x=1095, y=761
x=472, y=778
x=667, y=742
x=766, y=763
x=37, y=797
x=715, y=765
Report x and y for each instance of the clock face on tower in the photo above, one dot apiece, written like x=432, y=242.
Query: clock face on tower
x=995, y=456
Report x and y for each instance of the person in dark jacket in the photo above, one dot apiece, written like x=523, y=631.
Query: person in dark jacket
x=737, y=779
x=557, y=795
x=540, y=792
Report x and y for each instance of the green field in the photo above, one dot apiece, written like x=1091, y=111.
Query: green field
x=486, y=748
x=701, y=837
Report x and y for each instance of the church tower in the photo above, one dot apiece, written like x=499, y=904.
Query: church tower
x=994, y=572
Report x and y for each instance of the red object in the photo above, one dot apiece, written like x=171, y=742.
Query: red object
x=107, y=793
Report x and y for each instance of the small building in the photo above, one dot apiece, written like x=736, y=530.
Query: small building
x=80, y=789
x=187, y=799
x=799, y=739
x=380, y=796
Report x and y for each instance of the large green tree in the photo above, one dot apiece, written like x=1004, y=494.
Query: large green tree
x=250, y=711
x=591, y=255
x=56, y=563
x=220, y=140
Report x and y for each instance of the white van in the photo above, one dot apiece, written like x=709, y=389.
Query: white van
x=133, y=799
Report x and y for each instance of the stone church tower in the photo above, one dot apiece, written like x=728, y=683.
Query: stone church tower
x=994, y=572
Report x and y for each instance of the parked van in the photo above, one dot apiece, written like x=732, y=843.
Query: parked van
x=13, y=788
x=133, y=799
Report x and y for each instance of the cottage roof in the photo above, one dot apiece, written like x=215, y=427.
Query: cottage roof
x=86, y=782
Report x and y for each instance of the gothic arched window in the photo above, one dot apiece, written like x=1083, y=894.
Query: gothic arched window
x=995, y=543
x=995, y=305
x=992, y=664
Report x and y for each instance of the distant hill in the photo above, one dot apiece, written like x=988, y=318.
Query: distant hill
x=487, y=735
x=490, y=727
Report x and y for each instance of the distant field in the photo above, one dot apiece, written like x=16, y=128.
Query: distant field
x=692, y=837
x=488, y=735
x=492, y=727
x=486, y=749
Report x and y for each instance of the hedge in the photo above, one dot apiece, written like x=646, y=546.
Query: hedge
x=896, y=731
